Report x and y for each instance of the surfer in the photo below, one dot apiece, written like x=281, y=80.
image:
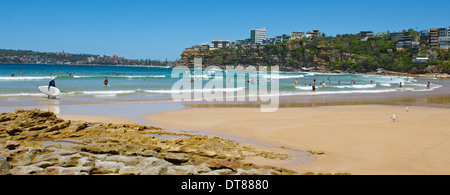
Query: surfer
x=106, y=81
x=51, y=84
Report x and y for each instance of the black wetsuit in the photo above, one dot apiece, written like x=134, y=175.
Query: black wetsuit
x=52, y=84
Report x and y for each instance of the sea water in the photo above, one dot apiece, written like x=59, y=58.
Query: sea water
x=84, y=83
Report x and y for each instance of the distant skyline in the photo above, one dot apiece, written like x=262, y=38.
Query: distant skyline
x=161, y=29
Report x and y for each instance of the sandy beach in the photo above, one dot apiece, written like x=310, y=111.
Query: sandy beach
x=353, y=133
x=359, y=139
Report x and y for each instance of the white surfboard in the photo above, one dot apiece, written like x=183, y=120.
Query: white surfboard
x=52, y=92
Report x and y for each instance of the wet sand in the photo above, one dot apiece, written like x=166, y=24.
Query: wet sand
x=360, y=139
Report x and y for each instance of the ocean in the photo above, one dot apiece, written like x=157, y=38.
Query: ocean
x=84, y=83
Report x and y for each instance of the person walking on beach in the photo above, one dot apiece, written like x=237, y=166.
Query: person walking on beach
x=314, y=86
x=106, y=81
x=52, y=83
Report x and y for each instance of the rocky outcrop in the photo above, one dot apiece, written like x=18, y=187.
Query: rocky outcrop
x=290, y=56
x=37, y=142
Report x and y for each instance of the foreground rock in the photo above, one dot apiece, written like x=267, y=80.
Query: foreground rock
x=37, y=142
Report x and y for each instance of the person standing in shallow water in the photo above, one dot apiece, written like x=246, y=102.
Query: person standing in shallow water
x=52, y=83
x=105, y=81
x=314, y=86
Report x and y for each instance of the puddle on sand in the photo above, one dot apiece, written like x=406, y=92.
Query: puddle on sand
x=168, y=137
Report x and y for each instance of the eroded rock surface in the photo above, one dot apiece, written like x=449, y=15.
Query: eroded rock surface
x=37, y=142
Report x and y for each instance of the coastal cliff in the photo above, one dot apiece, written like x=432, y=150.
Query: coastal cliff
x=343, y=53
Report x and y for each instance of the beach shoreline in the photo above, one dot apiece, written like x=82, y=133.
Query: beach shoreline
x=329, y=126
x=244, y=124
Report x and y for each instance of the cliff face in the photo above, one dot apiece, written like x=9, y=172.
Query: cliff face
x=289, y=56
x=342, y=53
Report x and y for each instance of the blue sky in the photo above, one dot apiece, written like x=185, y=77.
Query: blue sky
x=160, y=29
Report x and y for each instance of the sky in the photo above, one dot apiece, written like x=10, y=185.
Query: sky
x=161, y=29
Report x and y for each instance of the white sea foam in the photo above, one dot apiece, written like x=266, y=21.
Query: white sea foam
x=22, y=94
x=106, y=93
x=144, y=76
x=157, y=76
x=76, y=76
x=205, y=76
x=304, y=88
x=268, y=76
x=21, y=78
x=129, y=77
x=335, y=92
x=432, y=87
x=309, y=92
x=194, y=90
x=367, y=86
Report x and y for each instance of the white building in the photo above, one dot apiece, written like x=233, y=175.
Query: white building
x=217, y=44
x=297, y=35
x=257, y=36
x=90, y=59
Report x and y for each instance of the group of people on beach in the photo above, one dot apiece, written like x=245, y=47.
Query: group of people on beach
x=339, y=82
x=313, y=85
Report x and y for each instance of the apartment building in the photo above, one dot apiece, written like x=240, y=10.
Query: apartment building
x=365, y=34
x=434, y=37
x=218, y=44
x=257, y=36
x=404, y=42
x=297, y=35
x=444, y=42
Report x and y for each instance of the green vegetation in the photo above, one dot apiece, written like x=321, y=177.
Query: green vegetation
x=341, y=53
x=34, y=57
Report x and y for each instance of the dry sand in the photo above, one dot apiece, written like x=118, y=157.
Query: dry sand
x=355, y=139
